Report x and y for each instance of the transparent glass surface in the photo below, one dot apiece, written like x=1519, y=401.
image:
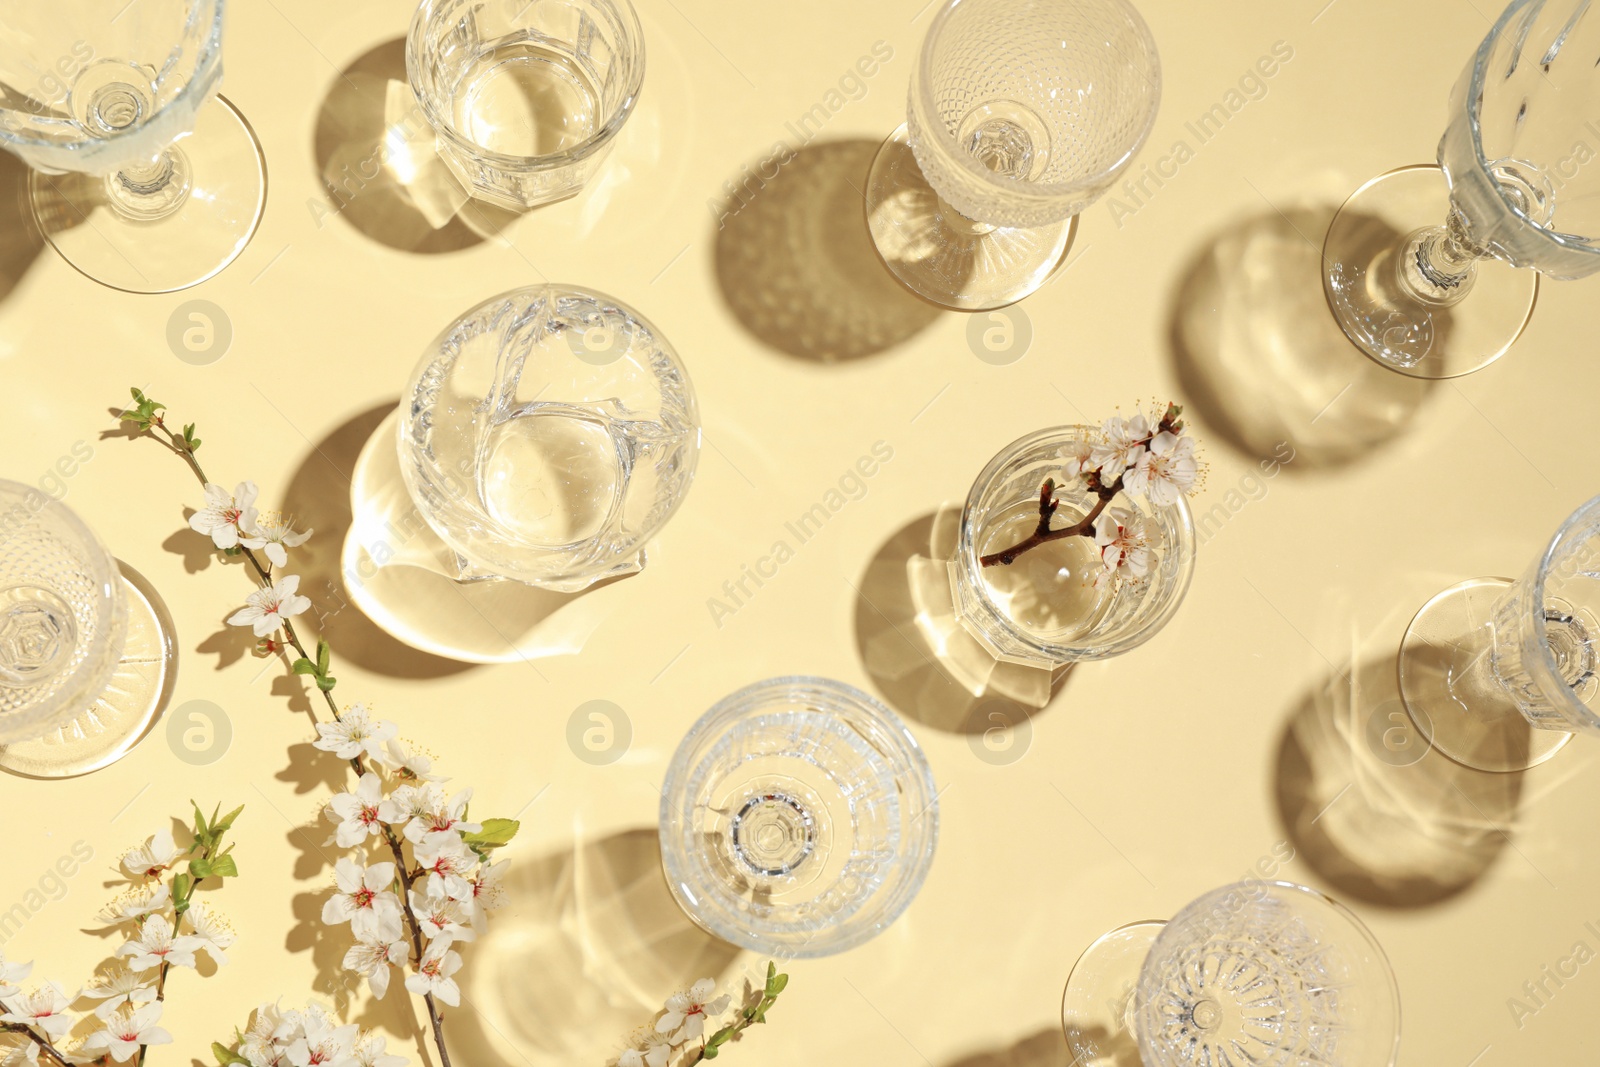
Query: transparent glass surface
x=1021, y=114
x=63, y=617
x=798, y=818
x=1266, y=973
x=526, y=96
x=547, y=435
x=1427, y=270
x=143, y=179
x=1044, y=608
x=1498, y=674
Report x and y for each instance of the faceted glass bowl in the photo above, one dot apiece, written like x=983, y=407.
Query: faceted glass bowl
x=798, y=818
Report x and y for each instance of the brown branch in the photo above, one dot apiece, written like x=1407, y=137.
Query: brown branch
x=38, y=1039
x=175, y=444
x=1084, y=527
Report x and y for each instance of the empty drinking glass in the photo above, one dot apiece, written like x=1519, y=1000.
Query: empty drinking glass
x=143, y=178
x=86, y=654
x=1499, y=674
x=798, y=818
x=1265, y=973
x=526, y=95
x=1432, y=271
x=1021, y=114
x=547, y=435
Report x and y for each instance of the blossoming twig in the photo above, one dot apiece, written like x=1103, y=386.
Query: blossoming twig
x=680, y=1026
x=1134, y=456
x=438, y=895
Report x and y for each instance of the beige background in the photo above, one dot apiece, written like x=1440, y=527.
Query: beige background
x=1150, y=778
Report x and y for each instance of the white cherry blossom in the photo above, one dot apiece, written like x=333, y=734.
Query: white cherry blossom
x=364, y=900
x=372, y=957
x=435, y=815
x=1123, y=444
x=266, y=609
x=210, y=932
x=1166, y=471
x=271, y=533
x=433, y=973
x=1120, y=536
x=447, y=862
x=226, y=515
x=153, y=857
x=362, y=812
x=117, y=988
x=686, y=1012
x=441, y=917
x=127, y=1030
x=354, y=733
x=44, y=1009
x=156, y=945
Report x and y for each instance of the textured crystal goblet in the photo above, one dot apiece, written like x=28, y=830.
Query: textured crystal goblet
x=1499, y=674
x=1433, y=271
x=547, y=435
x=798, y=818
x=526, y=96
x=1021, y=114
x=1265, y=973
x=1045, y=608
x=143, y=178
x=86, y=653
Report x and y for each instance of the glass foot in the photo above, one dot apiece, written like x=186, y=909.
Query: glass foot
x=227, y=178
x=1360, y=280
x=1097, y=1009
x=135, y=698
x=1450, y=691
x=944, y=256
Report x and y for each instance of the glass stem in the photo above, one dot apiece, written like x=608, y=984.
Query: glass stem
x=958, y=223
x=1438, y=265
x=149, y=191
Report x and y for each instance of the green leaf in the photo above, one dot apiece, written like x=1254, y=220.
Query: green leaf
x=182, y=886
x=721, y=1037
x=324, y=653
x=224, y=867
x=710, y=1053
x=495, y=833
x=221, y=826
x=225, y=1055
x=777, y=985
x=199, y=821
x=304, y=666
x=326, y=682
x=201, y=868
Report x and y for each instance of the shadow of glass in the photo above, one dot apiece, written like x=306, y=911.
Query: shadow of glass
x=318, y=497
x=1262, y=358
x=1373, y=808
x=796, y=264
x=1047, y=1048
x=920, y=658
x=375, y=155
x=20, y=239
x=586, y=946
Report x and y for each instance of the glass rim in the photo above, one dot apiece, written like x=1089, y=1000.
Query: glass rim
x=968, y=554
x=1567, y=697
x=1475, y=93
x=1385, y=966
x=210, y=54
x=754, y=698
x=1037, y=192
x=595, y=142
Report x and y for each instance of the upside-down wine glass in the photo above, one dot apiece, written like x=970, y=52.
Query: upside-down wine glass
x=1433, y=271
x=86, y=651
x=798, y=818
x=526, y=96
x=1265, y=973
x=143, y=178
x=1499, y=674
x=1021, y=114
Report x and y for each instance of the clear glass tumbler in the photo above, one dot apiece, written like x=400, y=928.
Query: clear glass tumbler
x=526, y=96
x=1499, y=674
x=1022, y=113
x=547, y=435
x=798, y=818
x=143, y=178
x=1433, y=271
x=1046, y=608
x=86, y=655
x=1265, y=973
